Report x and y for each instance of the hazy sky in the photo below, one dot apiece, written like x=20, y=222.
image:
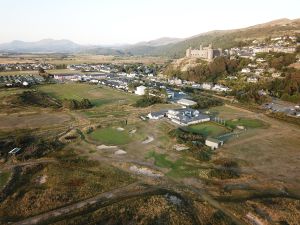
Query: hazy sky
x=131, y=21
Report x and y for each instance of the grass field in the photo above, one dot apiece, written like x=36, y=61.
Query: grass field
x=208, y=129
x=111, y=136
x=177, y=169
x=98, y=95
x=246, y=122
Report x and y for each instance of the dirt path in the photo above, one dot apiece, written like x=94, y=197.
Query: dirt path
x=101, y=200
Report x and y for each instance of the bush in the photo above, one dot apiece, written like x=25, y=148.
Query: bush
x=206, y=101
x=227, y=170
x=75, y=104
x=37, y=98
x=146, y=101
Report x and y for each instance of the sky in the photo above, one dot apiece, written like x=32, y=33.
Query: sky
x=109, y=22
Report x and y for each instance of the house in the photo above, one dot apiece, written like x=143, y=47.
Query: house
x=157, y=115
x=213, y=143
x=140, y=90
x=14, y=151
x=187, y=116
x=207, y=86
x=220, y=88
x=246, y=70
x=186, y=102
x=252, y=80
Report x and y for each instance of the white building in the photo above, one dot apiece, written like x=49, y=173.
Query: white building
x=140, y=90
x=186, y=102
x=220, y=88
x=213, y=143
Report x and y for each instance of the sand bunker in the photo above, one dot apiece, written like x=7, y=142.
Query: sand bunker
x=148, y=140
x=145, y=171
x=120, y=152
x=102, y=147
x=180, y=147
x=132, y=131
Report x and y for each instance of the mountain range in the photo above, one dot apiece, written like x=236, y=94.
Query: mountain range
x=166, y=46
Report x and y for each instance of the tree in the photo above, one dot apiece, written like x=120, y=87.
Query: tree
x=41, y=71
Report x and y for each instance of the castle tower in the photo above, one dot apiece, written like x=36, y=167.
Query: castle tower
x=210, y=53
x=201, y=47
x=189, y=52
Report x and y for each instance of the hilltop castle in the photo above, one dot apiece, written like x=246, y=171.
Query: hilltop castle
x=206, y=53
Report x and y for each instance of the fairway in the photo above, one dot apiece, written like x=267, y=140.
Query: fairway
x=97, y=95
x=208, y=129
x=111, y=136
x=248, y=123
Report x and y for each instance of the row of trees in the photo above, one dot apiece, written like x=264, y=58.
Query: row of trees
x=74, y=104
x=147, y=100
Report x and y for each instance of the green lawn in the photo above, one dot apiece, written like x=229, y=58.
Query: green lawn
x=208, y=129
x=111, y=136
x=4, y=176
x=178, y=168
x=248, y=123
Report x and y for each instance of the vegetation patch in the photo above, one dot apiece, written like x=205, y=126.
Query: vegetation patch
x=226, y=169
x=36, y=98
x=177, y=169
x=71, y=179
x=146, y=101
x=4, y=177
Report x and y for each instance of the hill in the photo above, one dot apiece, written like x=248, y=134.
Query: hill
x=221, y=38
x=56, y=46
x=166, y=46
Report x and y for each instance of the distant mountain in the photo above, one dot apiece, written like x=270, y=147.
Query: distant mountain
x=170, y=47
x=45, y=45
x=159, y=42
x=56, y=46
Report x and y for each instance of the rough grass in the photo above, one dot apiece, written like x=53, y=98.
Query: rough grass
x=111, y=136
x=208, y=129
x=4, y=177
x=69, y=180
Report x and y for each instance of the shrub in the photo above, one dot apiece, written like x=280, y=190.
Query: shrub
x=146, y=101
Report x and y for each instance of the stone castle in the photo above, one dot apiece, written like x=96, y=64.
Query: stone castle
x=206, y=53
